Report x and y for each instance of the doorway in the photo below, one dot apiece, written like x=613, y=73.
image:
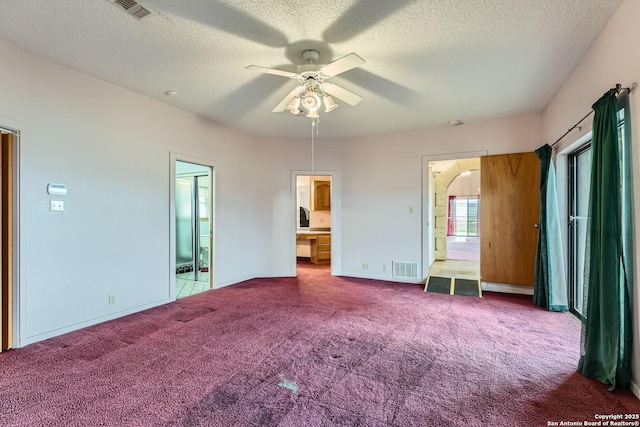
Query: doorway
x=193, y=197
x=454, y=218
x=313, y=220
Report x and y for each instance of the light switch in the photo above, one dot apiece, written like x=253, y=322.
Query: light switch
x=56, y=205
x=410, y=209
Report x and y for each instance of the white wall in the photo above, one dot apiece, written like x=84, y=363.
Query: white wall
x=382, y=180
x=613, y=58
x=110, y=147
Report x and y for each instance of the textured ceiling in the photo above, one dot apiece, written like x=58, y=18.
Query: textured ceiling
x=427, y=62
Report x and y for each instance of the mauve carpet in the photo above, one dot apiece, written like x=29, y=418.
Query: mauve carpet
x=312, y=351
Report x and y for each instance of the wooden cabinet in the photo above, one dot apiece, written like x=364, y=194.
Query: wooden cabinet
x=321, y=196
x=320, y=247
x=322, y=250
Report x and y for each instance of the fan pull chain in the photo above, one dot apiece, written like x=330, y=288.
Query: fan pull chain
x=313, y=124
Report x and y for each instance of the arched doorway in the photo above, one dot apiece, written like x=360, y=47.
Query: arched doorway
x=444, y=173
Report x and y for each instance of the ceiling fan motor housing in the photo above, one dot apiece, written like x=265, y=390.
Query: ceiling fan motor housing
x=310, y=55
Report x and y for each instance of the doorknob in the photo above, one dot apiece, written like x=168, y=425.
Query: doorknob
x=536, y=225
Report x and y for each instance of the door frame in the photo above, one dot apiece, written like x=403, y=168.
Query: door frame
x=336, y=226
x=18, y=130
x=427, y=233
x=173, y=158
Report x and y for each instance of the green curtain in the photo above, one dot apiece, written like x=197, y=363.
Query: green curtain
x=541, y=274
x=626, y=168
x=606, y=333
x=550, y=284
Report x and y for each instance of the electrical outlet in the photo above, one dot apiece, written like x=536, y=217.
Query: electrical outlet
x=112, y=299
x=365, y=266
x=385, y=267
x=56, y=205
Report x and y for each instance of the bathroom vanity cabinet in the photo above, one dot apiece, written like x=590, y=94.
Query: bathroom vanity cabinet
x=320, y=246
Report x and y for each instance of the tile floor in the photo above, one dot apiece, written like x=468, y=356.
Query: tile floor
x=185, y=285
x=458, y=269
x=463, y=259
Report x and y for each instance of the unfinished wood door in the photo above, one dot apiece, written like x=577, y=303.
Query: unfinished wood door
x=510, y=211
x=6, y=229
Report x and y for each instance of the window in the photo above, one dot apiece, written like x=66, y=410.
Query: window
x=463, y=217
x=203, y=200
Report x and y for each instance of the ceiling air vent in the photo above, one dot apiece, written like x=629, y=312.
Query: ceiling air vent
x=132, y=8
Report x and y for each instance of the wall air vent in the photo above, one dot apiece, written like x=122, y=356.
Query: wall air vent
x=132, y=8
x=407, y=270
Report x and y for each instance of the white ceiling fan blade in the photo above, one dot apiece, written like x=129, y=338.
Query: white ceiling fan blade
x=341, y=65
x=285, y=102
x=273, y=71
x=342, y=94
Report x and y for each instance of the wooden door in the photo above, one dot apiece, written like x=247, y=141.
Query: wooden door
x=6, y=229
x=510, y=211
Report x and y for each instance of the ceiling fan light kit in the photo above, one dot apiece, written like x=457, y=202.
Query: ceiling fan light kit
x=313, y=90
x=329, y=104
x=294, y=106
x=310, y=100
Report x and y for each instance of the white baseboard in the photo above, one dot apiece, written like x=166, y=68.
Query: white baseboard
x=218, y=285
x=84, y=324
x=507, y=289
x=387, y=278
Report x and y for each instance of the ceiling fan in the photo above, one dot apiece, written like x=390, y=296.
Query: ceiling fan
x=314, y=90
